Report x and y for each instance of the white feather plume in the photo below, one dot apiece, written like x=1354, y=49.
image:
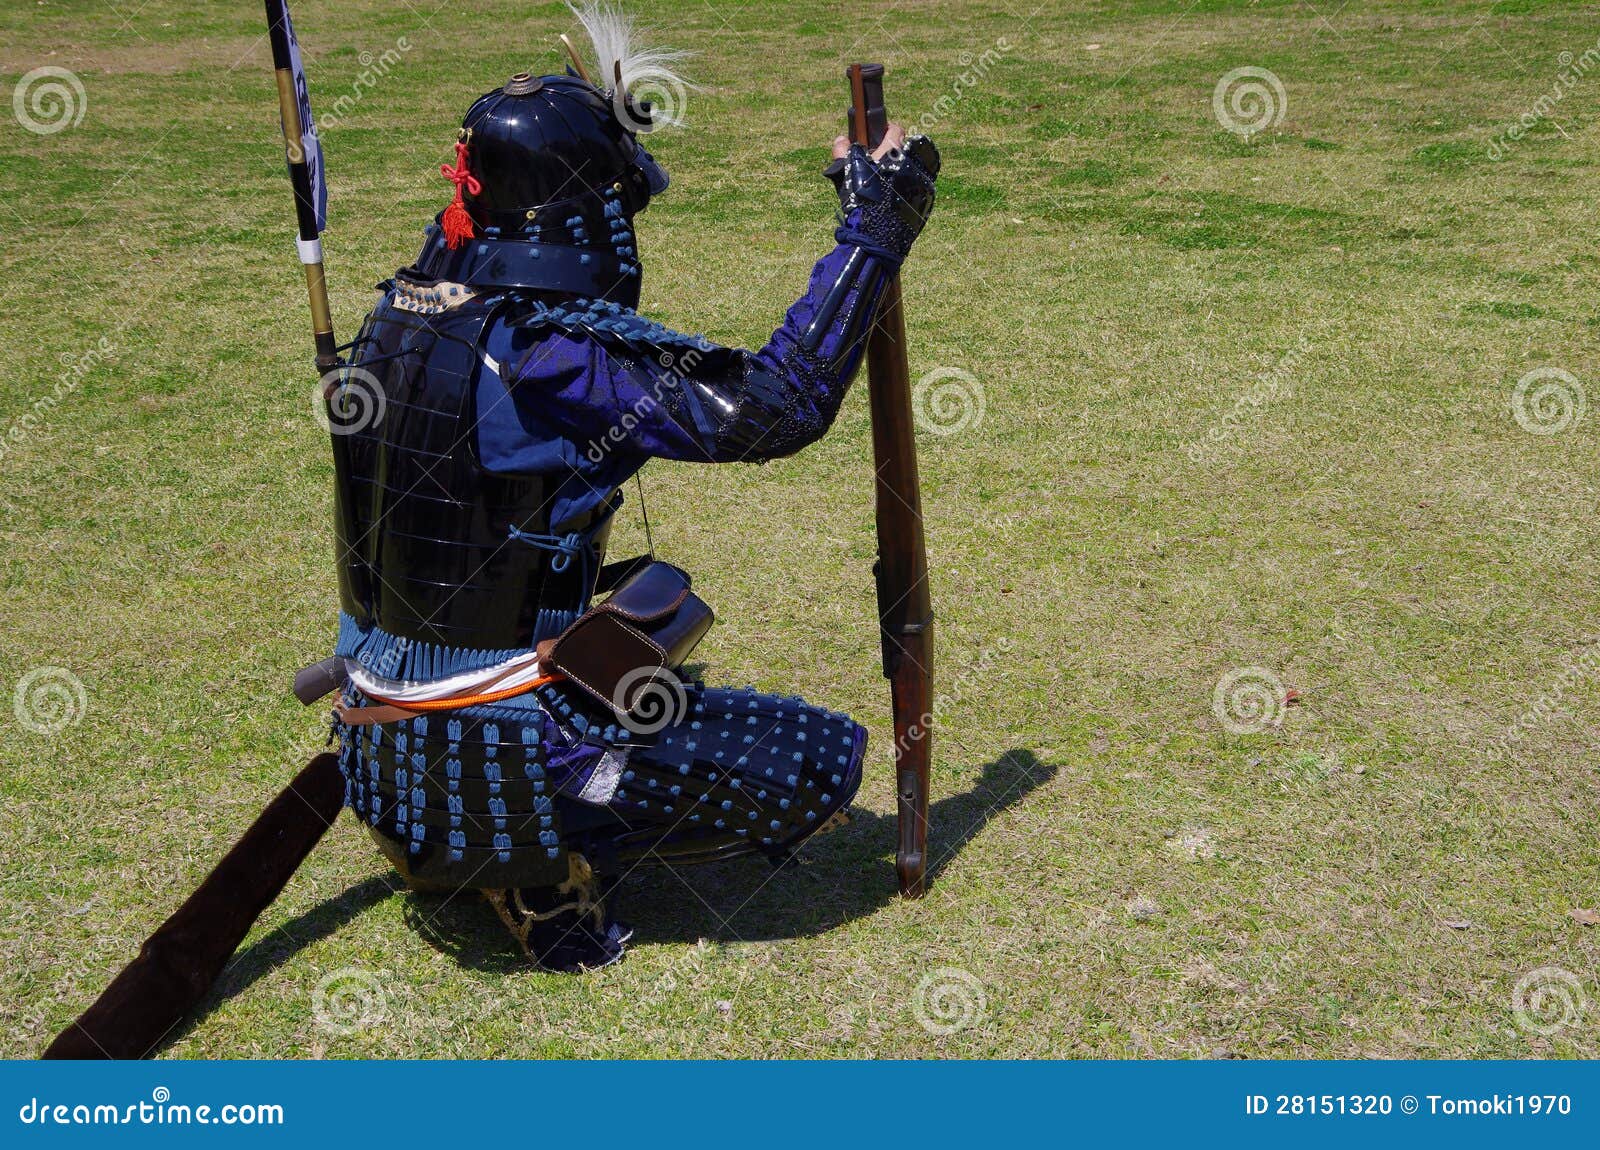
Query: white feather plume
x=615, y=38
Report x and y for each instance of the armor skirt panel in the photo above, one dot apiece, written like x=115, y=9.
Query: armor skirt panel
x=495, y=796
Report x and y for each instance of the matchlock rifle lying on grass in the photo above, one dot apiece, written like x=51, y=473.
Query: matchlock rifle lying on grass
x=181, y=961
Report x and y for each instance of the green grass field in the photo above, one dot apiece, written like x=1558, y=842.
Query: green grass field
x=1244, y=410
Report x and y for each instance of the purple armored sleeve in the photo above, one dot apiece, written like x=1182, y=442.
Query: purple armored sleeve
x=615, y=384
x=601, y=389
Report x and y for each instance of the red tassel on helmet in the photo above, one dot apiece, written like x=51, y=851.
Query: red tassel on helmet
x=458, y=228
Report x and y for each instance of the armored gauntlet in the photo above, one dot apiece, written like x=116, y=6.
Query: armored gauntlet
x=885, y=203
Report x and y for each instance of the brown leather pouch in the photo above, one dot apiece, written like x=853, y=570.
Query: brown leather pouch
x=647, y=627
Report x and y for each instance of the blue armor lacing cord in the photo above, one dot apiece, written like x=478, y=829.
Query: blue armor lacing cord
x=565, y=546
x=848, y=235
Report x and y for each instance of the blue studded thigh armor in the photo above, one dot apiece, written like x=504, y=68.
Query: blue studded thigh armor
x=474, y=797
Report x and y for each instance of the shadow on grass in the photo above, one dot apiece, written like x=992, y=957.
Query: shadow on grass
x=836, y=878
x=267, y=954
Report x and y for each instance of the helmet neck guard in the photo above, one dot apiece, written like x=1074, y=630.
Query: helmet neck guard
x=497, y=263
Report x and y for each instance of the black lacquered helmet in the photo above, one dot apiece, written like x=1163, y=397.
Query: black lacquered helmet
x=546, y=159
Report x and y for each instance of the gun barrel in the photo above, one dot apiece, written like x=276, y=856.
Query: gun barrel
x=905, y=604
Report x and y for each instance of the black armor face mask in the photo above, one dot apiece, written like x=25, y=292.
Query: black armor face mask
x=549, y=175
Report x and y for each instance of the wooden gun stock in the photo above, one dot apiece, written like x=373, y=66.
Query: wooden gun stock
x=905, y=608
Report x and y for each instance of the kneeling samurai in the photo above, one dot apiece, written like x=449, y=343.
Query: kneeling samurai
x=520, y=389
x=493, y=729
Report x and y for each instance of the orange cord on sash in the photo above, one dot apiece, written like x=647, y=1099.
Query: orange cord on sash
x=456, y=702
